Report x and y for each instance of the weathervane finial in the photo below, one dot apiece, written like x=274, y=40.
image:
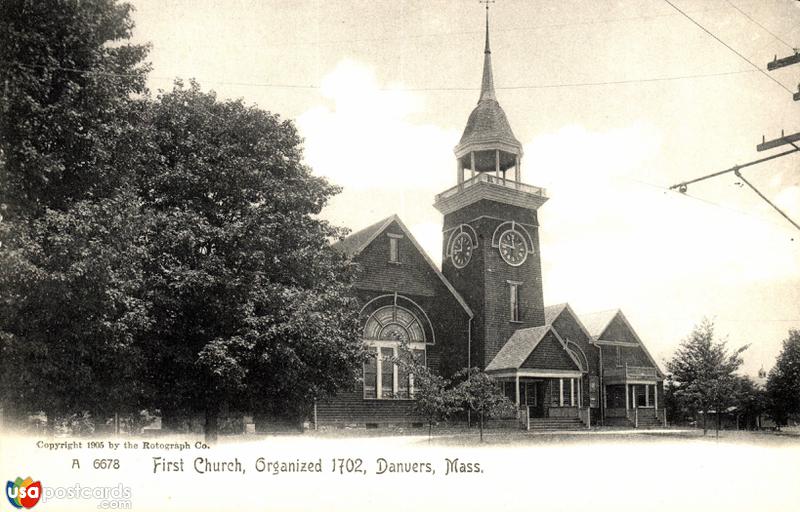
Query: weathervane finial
x=487, y=2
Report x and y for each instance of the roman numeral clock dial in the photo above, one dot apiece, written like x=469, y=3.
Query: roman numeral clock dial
x=461, y=251
x=512, y=248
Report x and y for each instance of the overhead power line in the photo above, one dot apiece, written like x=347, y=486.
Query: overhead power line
x=667, y=189
x=410, y=89
x=729, y=47
x=449, y=34
x=762, y=196
x=765, y=29
x=683, y=186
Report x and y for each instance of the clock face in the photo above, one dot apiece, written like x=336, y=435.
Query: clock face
x=461, y=251
x=512, y=248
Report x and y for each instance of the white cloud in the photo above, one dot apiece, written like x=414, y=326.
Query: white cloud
x=365, y=139
x=607, y=234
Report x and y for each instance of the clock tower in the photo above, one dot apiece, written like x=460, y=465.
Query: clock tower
x=490, y=250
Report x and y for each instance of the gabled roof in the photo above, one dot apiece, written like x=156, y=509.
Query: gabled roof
x=521, y=344
x=518, y=348
x=352, y=245
x=551, y=313
x=597, y=322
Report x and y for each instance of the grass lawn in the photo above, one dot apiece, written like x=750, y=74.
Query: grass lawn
x=453, y=436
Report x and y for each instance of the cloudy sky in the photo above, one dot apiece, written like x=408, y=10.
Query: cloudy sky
x=613, y=100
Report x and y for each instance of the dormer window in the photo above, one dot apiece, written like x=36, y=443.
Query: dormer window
x=394, y=247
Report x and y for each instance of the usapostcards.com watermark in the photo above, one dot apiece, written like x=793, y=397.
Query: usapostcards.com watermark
x=110, y=498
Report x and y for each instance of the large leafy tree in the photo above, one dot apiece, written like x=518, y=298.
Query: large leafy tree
x=252, y=308
x=70, y=302
x=783, y=383
x=703, y=371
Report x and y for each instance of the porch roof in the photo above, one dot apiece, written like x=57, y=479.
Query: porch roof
x=517, y=348
x=521, y=345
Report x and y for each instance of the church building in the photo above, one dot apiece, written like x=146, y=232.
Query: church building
x=485, y=307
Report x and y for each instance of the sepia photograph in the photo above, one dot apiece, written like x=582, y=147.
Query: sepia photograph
x=400, y=254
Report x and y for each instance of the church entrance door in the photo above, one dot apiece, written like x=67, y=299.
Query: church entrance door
x=534, y=398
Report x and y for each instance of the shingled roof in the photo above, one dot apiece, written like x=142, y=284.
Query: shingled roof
x=597, y=322
x=518, y=348
x=552, y=312
x=488, y=122
x=354, y=243
x=516, y=352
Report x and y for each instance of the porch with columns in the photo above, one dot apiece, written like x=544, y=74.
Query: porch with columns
x=544, y=394
x=631, y=393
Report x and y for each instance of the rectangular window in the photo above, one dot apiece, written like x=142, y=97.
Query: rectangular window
x=554, y=393
x=394, y=248
x=419, y=358
x=370, y=376
x=387, y=373
x=383, y=379
x=403, y=384
x=513, y=289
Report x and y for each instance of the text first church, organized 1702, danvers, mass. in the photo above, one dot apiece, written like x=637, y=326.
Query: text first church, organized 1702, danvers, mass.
x=485, y=307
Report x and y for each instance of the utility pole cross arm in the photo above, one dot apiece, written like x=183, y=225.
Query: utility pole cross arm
x=783, y=62
x=780, y=141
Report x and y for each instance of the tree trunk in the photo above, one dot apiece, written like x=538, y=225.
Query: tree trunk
x=719, y=420
x=705, y=418
x=50, y=422
x=211, y=428
x=430, y=431
x=481, y=426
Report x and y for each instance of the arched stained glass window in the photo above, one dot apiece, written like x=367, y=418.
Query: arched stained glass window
x=393, y=323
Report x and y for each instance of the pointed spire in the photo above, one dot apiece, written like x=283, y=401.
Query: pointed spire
x=487, y=84
x=488, y=144
x=486, y=48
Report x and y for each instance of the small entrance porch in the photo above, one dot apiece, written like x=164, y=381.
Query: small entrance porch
x=539, y=374
x=543, y=395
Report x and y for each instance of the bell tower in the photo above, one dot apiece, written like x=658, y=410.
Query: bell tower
x=490, y=248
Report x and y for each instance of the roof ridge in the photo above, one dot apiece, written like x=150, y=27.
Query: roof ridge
x=433, y=266
x=356, y=241
x=353, y=244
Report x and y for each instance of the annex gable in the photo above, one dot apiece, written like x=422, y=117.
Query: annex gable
x=623, y=346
